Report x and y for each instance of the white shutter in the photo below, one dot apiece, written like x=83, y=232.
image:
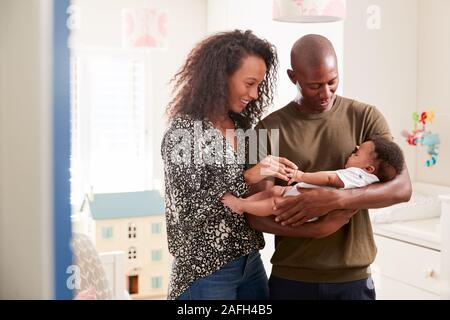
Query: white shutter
x=109, y=124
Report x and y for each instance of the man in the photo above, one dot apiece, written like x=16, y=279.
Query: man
x=330, y=258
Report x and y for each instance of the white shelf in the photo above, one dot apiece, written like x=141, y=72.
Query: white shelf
x=425, y=233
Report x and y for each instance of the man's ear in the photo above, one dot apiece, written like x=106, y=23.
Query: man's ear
x=291, y=76
x=370, y=169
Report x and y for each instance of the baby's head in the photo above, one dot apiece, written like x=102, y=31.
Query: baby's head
x=378, y=156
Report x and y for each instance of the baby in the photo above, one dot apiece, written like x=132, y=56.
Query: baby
x=377, y=159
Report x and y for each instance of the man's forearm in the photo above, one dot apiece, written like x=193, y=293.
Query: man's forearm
x=377, y=195
x=326, y=225
x=268, y=225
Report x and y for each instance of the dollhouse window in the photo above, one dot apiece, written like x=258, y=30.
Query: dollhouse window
x=156, y=255
x=132, y=231
x=107, y=232
x=132, y=253
x=156, y=228
x=156, y=282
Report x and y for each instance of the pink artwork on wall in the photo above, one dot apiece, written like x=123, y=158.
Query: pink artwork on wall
x=144, y=28
x=335, y=8
x=308, y=10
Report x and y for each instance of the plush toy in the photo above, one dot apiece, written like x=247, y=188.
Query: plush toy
x=421, y=137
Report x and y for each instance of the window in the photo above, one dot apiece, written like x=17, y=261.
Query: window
x=156, y=255
x=156, y=282
x=132, y=233
x=132, y=253
x=156, y=228
x=107, y=232
x=111, y=143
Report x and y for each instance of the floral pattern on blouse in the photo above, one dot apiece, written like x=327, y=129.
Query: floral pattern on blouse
x=203, y=235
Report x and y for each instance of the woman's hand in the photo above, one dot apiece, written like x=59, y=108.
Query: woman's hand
x=270, y=166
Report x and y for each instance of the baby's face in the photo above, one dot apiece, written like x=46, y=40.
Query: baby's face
x=363, y=157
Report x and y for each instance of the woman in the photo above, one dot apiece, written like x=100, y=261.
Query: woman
x=225, y=84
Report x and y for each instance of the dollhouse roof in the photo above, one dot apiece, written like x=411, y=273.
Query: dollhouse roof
x=123, y=205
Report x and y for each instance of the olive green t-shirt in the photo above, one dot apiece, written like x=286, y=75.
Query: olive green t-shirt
x=317, y=142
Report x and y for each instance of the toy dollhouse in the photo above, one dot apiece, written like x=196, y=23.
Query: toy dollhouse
x=132, y=222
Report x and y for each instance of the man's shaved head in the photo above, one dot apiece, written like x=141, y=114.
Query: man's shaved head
x=311, y=52
x=315, y=72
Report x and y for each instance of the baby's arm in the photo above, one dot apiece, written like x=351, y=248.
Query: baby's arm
x=259, y=204
x=320, y=178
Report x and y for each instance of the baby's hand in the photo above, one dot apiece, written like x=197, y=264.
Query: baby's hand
x=295, y=176
x=232, y=202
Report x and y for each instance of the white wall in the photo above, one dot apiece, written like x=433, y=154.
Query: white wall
x=100, y=27
x=26, y=224
x=381, y=65
x=433, y=84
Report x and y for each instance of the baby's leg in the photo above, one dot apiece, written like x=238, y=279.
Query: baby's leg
x=260, y=204
x=263, y=207
x=278, y=191
x=232, y=202
x=272, y=192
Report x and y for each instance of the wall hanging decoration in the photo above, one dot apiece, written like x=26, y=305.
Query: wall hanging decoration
x=308, y=10
x=144, y=28
x=421, y=137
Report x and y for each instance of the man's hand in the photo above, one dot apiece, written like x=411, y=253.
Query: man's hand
x=313, y=203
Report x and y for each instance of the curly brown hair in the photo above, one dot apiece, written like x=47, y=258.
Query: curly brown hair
x=201, y=85
x=390, y=157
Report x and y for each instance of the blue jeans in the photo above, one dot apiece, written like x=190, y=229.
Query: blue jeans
x=284, y=289
x=241, y=279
